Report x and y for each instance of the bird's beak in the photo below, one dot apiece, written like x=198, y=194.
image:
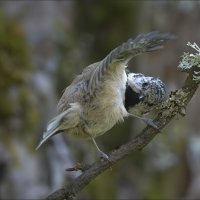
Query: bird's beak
x=141, y=97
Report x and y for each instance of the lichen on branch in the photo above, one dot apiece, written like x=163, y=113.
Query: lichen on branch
x=191, y=61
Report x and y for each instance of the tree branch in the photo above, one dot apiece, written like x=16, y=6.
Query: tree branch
x=175, y=105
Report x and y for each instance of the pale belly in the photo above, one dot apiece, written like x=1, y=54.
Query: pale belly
x=99, y=123
x=105, y=109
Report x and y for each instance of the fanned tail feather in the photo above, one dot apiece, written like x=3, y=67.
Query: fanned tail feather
x=65, y=120
x=52, y=128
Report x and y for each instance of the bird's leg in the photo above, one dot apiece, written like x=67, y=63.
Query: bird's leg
x=101, y=153
x=146, y=120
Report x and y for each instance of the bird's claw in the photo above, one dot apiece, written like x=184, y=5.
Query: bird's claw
x=104, y=156
x=146, y=120
x=151, y=123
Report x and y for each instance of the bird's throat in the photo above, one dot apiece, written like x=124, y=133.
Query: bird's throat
x=131, y=98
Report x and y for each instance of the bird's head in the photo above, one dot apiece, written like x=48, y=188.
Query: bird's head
x=150, y=90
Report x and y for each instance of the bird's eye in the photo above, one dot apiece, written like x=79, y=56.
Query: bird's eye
x=144, y=84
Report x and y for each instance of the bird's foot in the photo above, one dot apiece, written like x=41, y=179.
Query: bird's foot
x=103, y=155
x=146, y=120
x=150, y=123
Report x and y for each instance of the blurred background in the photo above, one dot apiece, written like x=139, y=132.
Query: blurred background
x=43, y=46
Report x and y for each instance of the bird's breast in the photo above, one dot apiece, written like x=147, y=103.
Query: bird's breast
x=107, y=107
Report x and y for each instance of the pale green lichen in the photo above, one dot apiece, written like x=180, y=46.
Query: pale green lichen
x=191, y=62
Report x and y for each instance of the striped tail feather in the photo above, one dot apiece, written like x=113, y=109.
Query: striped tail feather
x=53, y=128
x=64, y=121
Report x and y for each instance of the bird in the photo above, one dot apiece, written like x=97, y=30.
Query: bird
x=95, y=100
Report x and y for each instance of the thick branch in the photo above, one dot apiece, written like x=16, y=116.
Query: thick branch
x=176, y=104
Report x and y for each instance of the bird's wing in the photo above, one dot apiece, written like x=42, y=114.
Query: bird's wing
x=70, y=95
x=122, y=54
x=78, y=89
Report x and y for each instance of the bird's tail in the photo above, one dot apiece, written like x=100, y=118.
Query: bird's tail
x=53, y=128
x=64, y=121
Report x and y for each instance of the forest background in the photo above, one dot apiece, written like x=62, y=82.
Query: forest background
x=43, y=46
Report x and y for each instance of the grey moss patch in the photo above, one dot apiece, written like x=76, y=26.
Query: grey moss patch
x=191, y=62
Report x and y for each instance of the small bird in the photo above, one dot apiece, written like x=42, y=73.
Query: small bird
x=95, y=101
